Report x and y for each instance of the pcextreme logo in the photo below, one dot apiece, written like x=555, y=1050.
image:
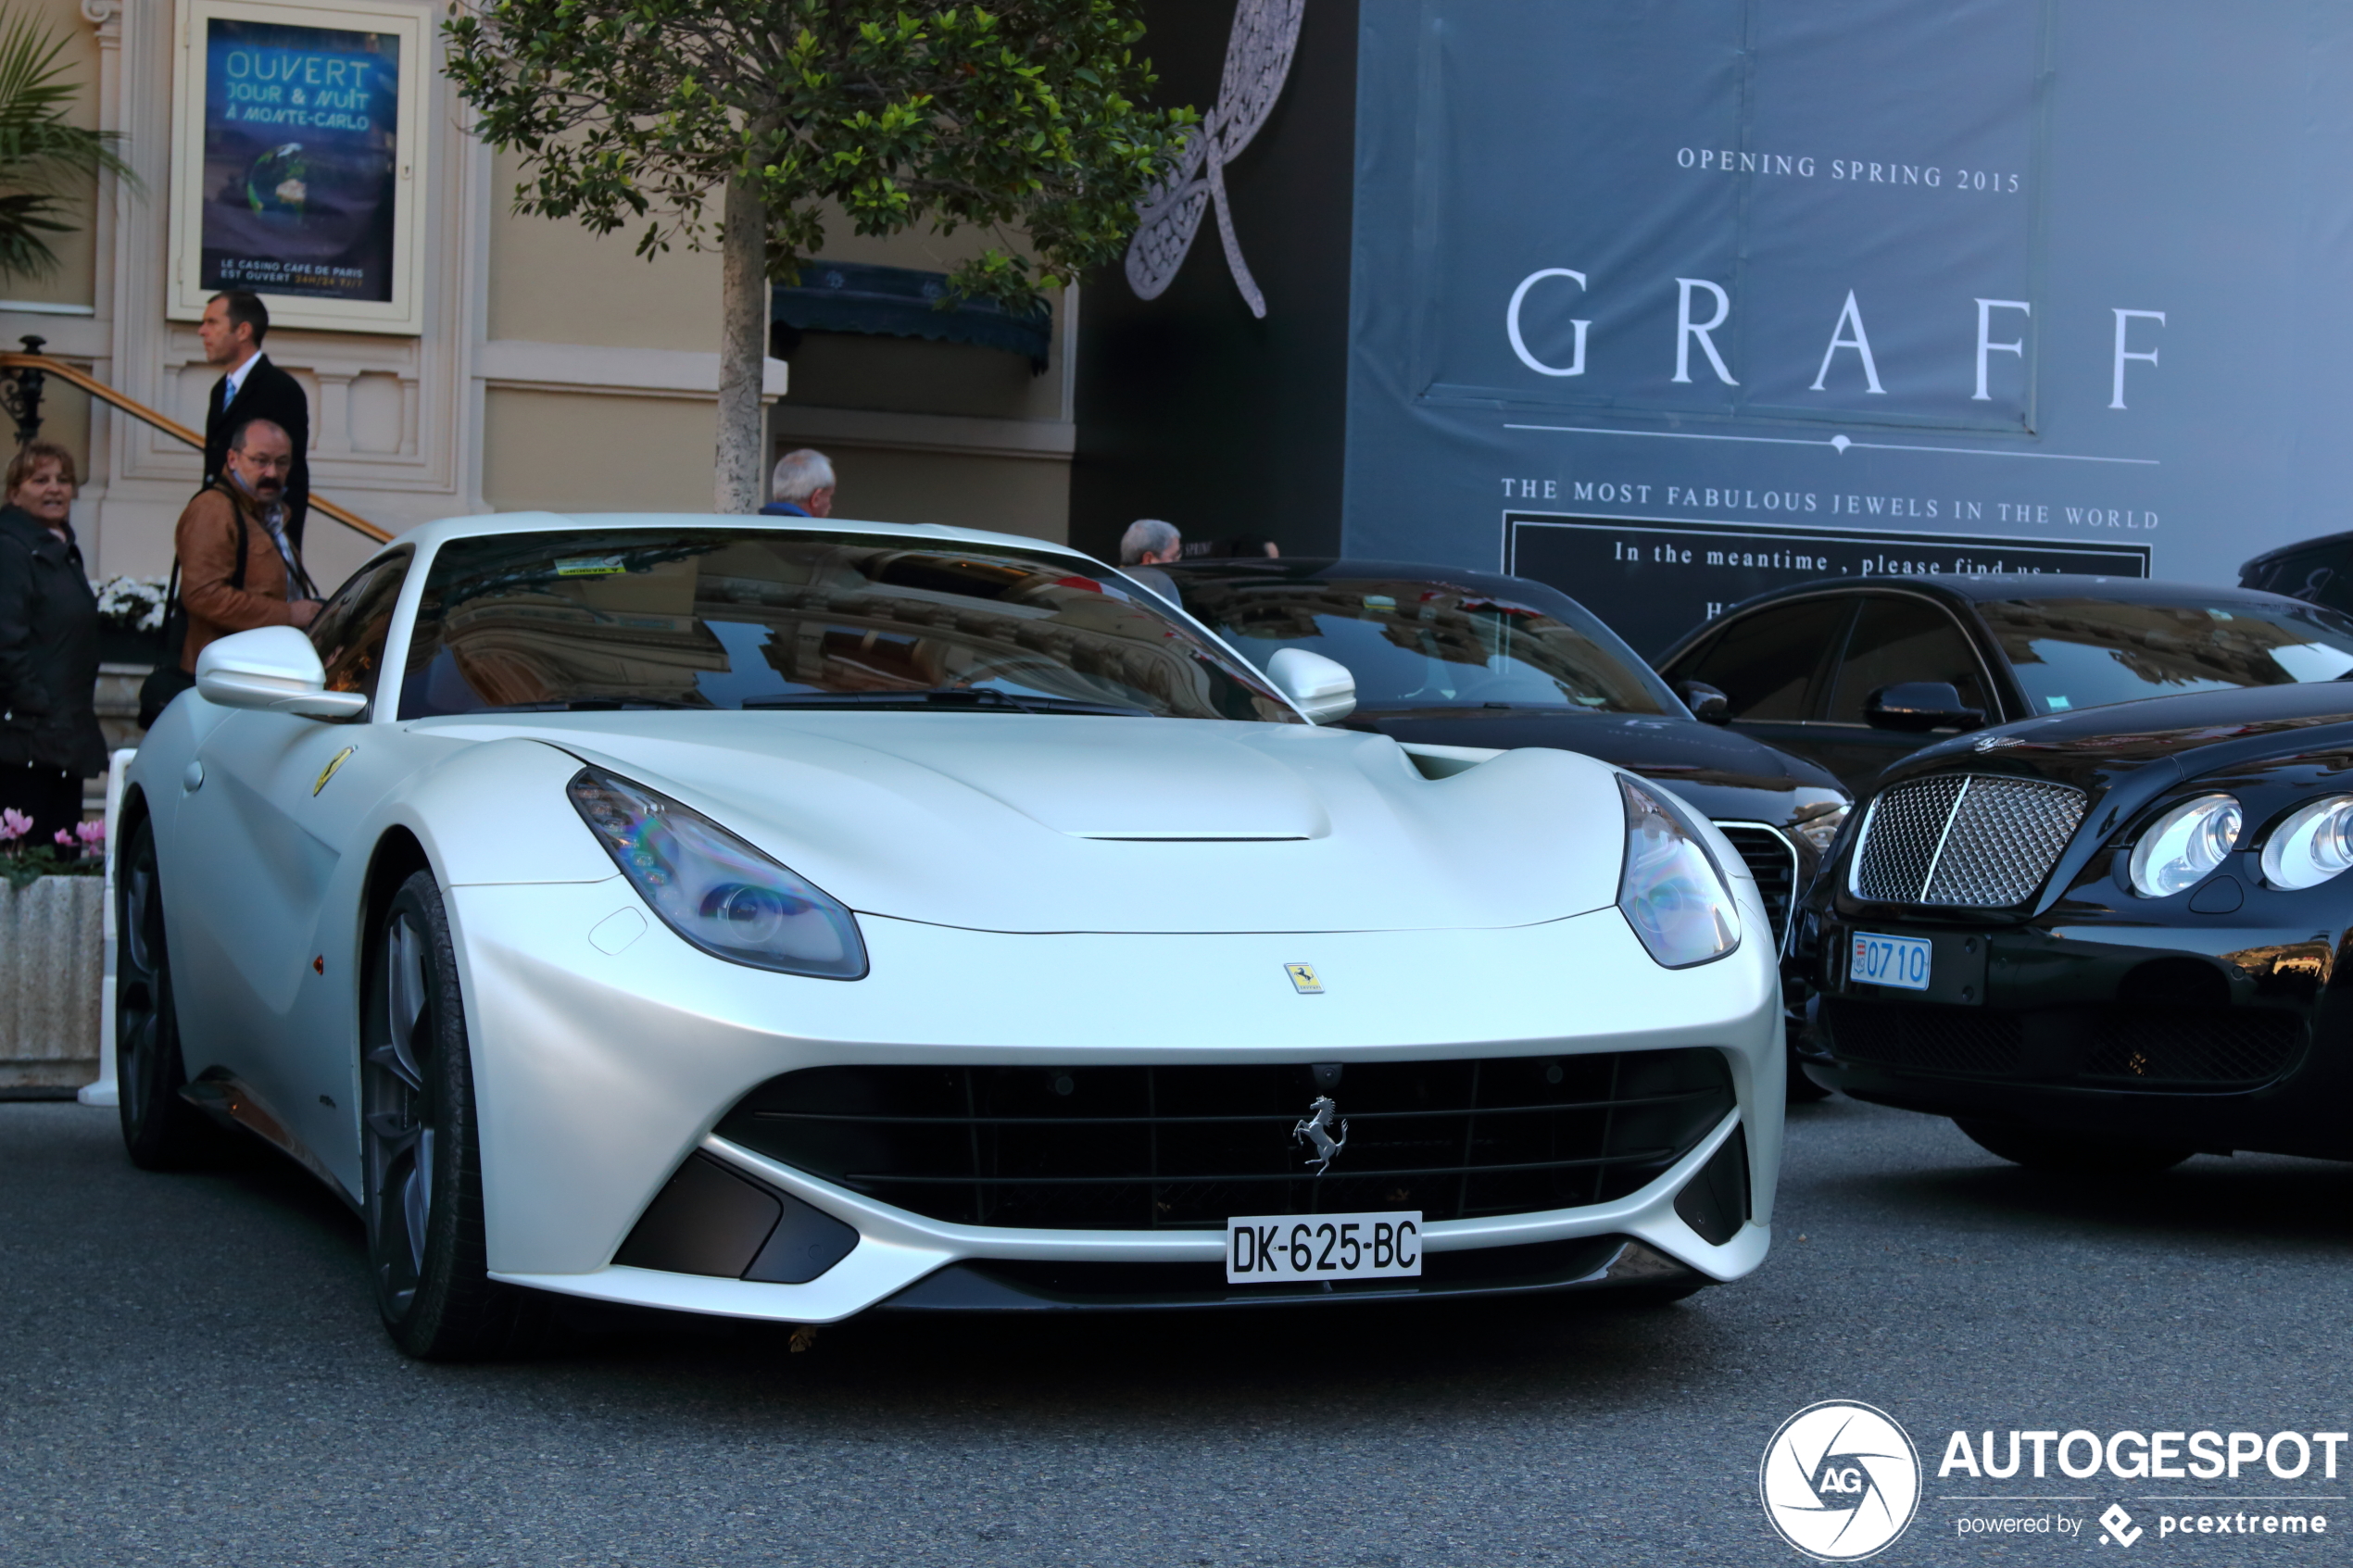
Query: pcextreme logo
x=1840, y=1481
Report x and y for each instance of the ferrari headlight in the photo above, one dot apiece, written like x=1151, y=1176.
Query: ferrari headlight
x=2184, y=845
x=1671, y=891
x=2313, y=845
x=712, y=889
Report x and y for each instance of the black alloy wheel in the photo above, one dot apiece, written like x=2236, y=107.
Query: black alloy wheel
x=160, y=1130
x=2072, y=1154
x=420, y=1157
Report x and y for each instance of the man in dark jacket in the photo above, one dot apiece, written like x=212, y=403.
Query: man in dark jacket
x=232, y=330
x=49, y=735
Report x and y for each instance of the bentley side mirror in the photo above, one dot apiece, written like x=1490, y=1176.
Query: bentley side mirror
x=1708, y=705
x=273, y=668
x=1323, y=688
x=1919, y=705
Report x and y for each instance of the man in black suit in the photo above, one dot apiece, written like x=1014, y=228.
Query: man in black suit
x=234, y=325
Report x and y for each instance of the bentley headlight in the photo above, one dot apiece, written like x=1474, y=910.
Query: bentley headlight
x=2184, y=845
x=712, y=889
x=2313, y=845
x=1671, y=891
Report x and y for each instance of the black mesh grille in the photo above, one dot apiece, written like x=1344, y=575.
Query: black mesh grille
x=2181, y=1048
x=2174, y=1047
x=1773, y=863
x=1185, y=1147
x=1972, y=842
x=1937, y=1040
x=1900, y=835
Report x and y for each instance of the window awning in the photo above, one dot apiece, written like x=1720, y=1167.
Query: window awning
x=844, y=297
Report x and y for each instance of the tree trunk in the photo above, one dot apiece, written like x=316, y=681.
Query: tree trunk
x=743, y=345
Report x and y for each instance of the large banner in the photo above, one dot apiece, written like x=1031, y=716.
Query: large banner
x=1671, y=303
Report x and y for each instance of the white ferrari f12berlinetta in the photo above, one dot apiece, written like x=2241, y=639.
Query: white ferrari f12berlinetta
x=786, y=919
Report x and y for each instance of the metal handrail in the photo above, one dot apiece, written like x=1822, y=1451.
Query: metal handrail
x=173, y=428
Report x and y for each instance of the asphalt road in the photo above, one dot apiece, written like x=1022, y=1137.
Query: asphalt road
x=190, y=1373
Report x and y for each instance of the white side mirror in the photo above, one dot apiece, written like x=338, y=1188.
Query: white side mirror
x=1322, y=687
x=275, y=669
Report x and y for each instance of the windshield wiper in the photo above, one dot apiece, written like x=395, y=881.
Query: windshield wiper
x=947, y=696
x=599, y=704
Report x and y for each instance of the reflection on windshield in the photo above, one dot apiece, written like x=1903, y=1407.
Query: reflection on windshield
x=2083, y=653
x=740, y=618
x=1430, y=644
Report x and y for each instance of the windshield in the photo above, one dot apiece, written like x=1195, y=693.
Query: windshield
x=2083, y=653
x=746, y=618
x=1432, y=645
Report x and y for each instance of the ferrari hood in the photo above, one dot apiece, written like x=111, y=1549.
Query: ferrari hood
x=1058, y=823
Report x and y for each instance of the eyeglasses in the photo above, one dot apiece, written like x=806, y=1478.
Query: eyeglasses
x=267, y=465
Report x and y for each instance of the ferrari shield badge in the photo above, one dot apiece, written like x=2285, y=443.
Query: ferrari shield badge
x=1302, y=978
x=333, y=762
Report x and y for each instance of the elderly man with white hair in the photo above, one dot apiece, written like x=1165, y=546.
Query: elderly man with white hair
x=1147, y=546
x=803, y=486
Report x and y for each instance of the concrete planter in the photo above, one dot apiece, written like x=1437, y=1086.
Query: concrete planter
x=52, y=961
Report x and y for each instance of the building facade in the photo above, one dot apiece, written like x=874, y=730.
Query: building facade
x=518, y=363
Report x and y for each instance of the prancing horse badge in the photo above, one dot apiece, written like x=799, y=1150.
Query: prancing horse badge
x=1302, y=979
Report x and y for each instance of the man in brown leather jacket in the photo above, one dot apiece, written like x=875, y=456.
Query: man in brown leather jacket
x=247, y=505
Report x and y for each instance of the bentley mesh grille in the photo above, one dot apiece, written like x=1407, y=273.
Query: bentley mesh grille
x=1966, y=840
x=1930, y=1037
x=1772, y=861
x=1184, y=1147
x=2179, y=1048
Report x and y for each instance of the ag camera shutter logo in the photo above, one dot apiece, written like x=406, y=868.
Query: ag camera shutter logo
x=1840, y=1481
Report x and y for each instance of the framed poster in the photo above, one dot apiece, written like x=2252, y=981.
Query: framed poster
x=298, y=150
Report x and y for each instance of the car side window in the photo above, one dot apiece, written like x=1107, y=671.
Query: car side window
x=350, y=630
x=1768, y=663
x=1904, y=639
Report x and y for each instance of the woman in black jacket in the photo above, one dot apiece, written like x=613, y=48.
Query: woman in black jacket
x=49, y=737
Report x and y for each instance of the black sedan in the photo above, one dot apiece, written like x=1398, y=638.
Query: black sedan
x=1854, y=674
x=2102, y=940
x=1474, y=658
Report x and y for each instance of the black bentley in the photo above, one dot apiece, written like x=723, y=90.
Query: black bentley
x=2102, y=940
x=1855, y=673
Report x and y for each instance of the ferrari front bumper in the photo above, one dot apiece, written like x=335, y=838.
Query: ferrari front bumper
x=598, y=1073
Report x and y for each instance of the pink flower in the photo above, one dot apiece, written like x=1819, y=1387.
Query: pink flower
x=14, y=824
x=62, y=837
x=92, y=834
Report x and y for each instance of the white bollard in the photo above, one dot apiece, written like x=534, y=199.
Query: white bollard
x=102, y=1091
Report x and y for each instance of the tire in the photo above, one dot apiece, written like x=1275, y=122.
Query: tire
x=160, y=1130
x=420, y=1153
x=2074, y=1154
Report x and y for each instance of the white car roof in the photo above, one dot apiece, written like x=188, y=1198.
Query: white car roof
x=428, y=535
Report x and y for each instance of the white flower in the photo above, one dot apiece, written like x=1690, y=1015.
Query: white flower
x=135, y=603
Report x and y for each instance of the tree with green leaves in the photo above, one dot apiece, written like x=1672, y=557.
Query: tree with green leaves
x=1025, y=121
x=45, y=160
